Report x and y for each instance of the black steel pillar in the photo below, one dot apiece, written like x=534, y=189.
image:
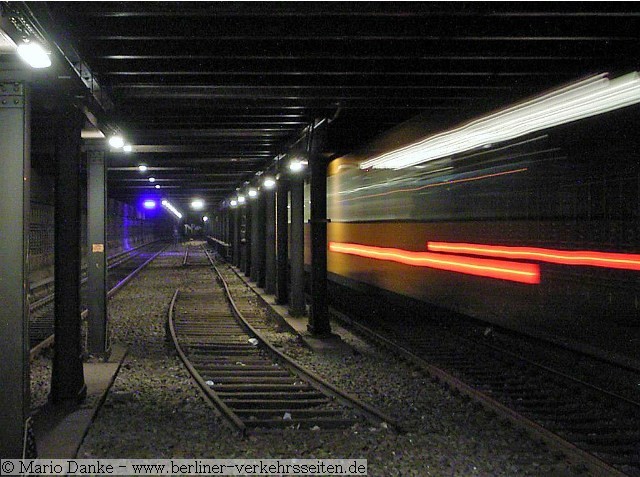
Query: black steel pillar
x=282, y=242
x=14, y=229
x=236, y=236
x=228, y=233
x=248, y=238
x=319, y=319
x=67, y=377
x=296, y=296
x=258, y=263
x=98, y=339
x=254, y=203
x=242, y=221
x=270, y=242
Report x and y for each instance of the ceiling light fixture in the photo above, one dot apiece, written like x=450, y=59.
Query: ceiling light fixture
x=233, y=203
x=241, y=199
x=116, y=142
x=171, y=208
x=296, y=165
x=142, y=168
x=590, y=97
x=253, y=193
x=197, y=204
x=34, y=54
x=127, y=148
x=269, y=182
x=205, y=218
x=152, y=179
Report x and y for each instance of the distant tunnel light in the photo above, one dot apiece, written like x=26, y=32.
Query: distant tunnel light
x=169, y=206
x=590, y=97
x=34, y=54
x=157, y=186
x=233, y=203
x=149, y=204
x=269, y=183
x=253, y=193
x=241, y=199
x=116, y=142
x=127, y=148
x=142, y=168
x=197, y=204
x=296, y=165
x=152, y=179
x=513, y=271
x=623, y=261
x=205, y=218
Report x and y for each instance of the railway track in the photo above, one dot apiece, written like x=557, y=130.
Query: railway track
x=591, y=425
x=121, y=269
x=252, y=384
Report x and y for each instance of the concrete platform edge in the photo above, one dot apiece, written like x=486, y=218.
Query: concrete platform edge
x=60, y=432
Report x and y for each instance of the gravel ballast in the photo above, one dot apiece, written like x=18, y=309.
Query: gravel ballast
x=154, y=410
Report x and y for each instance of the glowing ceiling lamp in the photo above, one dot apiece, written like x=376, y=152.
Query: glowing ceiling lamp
x=197, y=204
x=34, y=54
x=593, y=96
x=116, y=142
x=149, y=204
x=152, y=179
x=622, y=261
x=253, y=193
x=241, y=199
x=142, y=168
x=296, y=165
x=169, y=206
x=528, y=273
x=127, y=148
x=205, y=218
x=233, y=203
x=268, y=183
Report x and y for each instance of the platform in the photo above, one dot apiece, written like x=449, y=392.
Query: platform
x=60, y=430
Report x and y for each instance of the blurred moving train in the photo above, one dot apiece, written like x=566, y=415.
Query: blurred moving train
x=519, y=218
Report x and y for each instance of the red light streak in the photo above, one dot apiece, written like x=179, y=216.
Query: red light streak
x=518, y=272
x=623, y=261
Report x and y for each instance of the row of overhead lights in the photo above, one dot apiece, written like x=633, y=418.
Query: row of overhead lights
x=295, y=165
x=36, y=56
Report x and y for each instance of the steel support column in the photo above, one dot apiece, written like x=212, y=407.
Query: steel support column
x=319, y=319
x=253, y=272
x=270, y=242
x=259, y=259
x=67, y=377
x=236, y=237
x=98, y=339
x=14, y=229
x=282, y=242
x=248, y=238
x=296, y=296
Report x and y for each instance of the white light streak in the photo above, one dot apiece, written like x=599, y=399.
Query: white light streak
x=171, y=208
x=590, y=97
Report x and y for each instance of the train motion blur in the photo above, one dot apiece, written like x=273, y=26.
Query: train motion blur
x=528, y=218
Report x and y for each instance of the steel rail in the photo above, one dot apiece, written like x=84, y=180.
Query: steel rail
x=326, y=387
x=49, y=341
x=596, y=466
x=231, y=418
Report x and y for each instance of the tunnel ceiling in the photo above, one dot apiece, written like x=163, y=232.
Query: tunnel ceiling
x=209, y=93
